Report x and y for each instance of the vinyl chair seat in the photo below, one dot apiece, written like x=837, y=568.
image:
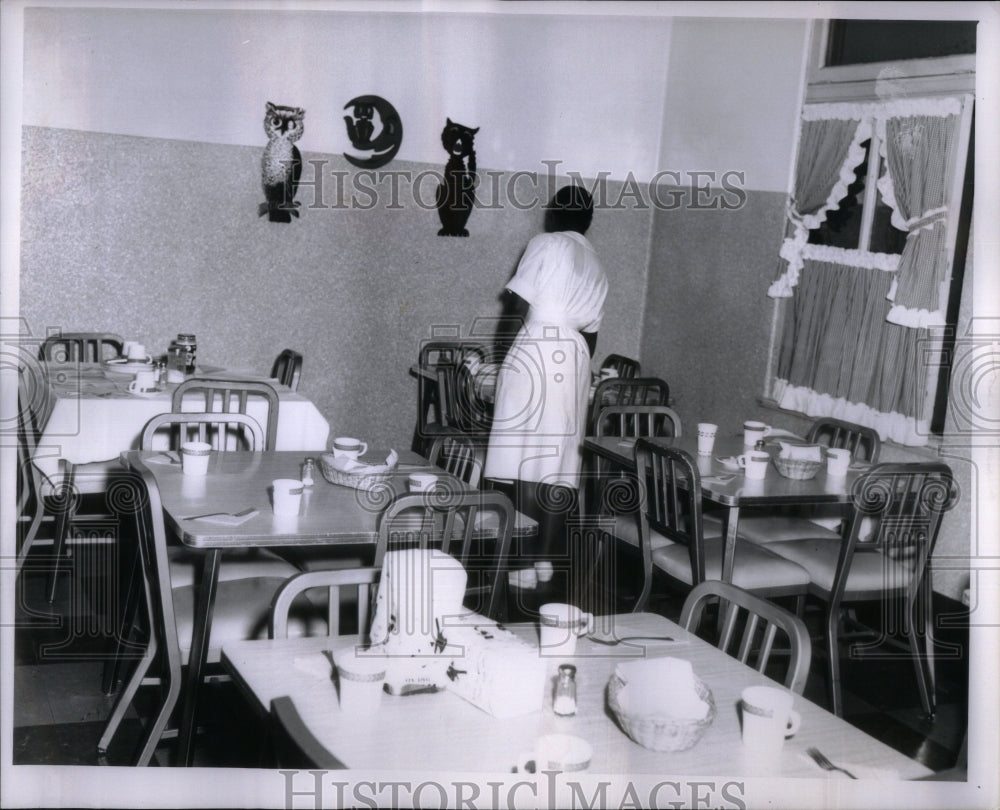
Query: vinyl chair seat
x=767, y=529
x=754, y=568
x=870, y=570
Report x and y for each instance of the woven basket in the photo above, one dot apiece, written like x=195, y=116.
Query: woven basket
x=799, y=469
x=359, y=480
x=659, y=732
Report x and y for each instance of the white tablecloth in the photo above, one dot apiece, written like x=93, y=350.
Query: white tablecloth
x=90, y=416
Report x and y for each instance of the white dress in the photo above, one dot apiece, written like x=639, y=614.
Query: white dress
x=540, y=410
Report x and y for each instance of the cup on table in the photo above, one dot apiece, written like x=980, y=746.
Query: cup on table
x=421, y=482
x=754, y=464
x=557, y=752
x=560, y=625
x=768, y=719
x=706, y=438
x=753, y=432
x=286, y=496
x=195, y=457
x=837, y=462
x=144, y=381
x=360, y=677
x=135, y=352
x=349, y=448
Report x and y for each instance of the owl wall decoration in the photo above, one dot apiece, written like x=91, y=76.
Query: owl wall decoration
x=281, y=166
x=360, y=128
x=457, y=192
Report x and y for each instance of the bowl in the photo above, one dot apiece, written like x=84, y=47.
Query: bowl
x=798, y=469
x=662, y=732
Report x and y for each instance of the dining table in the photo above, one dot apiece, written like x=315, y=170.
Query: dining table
x=725, y=484
x=237, y=485
x=441, y=732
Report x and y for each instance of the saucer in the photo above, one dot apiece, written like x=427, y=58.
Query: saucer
x=729, y=463
x=149, y=392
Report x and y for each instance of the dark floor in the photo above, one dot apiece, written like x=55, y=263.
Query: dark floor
x=60, y=709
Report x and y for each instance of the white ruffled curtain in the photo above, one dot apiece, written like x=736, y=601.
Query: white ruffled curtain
x=918, y=151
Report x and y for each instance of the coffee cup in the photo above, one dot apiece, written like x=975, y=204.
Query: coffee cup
x=837, y=462
x=753, y=432
x=144, y=381
x=349, y=448
x=360, y=678
x=754, y=463
x=768, y=719
x=706, y=438
x=286, y=496
x=421, y=482
x=195, y=457
x=560, y=625
x=135, y=352
x=557, y=752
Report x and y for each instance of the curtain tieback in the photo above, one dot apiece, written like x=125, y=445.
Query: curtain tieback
x=927, y=220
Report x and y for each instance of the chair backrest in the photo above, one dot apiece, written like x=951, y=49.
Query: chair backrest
x=755, y=622
x=81, y=347
x=626, y=367
x=229, y=396
x=295, y=746
x=287, y=368
x=863, y=442
x=439, y=362
x=473, y=527
x=672, y=505
x=635, y=421
x=637, y=391
x=231, y=431
x=901, y=504
x=360, y=580
x=461, y=455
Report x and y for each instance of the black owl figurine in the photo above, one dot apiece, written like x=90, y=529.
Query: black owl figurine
x=281, y=165
x=456, y=194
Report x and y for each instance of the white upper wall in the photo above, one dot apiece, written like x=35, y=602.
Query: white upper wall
x=584, y=90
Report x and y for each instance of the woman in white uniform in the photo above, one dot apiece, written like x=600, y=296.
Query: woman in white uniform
x=540, y=409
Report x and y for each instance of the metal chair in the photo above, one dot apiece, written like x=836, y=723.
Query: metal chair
x=672, y=539
x=81, y=347
x=864, y=444
x=473, y=527
x=229, y=396
x=758, y=621
x=626, y=367
x=361, y=581
x=231, y=431
x=903, y=505
x=441, y=410
x=287, y=368
x=635, y=421
x=636, y=391
x=461, y=455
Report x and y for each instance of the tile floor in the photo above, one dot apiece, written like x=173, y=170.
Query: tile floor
x=60, y=709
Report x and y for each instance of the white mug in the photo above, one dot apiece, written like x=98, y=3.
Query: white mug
x=557, y=752
x=753, y=432
x=195, y=457
x=351, y=448
x=706, y=438
x=144, y=381
x=768, y=718
x=135, y=352
x=754, y=463
x=559, y=627
x=286, y=496
x=422, y=482
x=360, y=678
x=837, y=462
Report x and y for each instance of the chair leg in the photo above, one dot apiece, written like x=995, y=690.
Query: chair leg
x=833, y=658
x=923, y=658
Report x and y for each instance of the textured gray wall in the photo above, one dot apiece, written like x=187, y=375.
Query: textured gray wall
x=149, y=237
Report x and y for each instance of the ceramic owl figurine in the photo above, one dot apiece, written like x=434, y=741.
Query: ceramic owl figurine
x=281, y=165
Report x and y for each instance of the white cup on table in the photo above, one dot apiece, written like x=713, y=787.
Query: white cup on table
x=195, y=457
x=144, y=381
x=559, y=626
x=286, y=496
x=136, y=352
x=754, y=464
x=346, y=447
x=768, y=719
x=706, y=438
x=753, y=432
x=566, y=753
x=421, y=482
x=837, y=462
x=360, y=677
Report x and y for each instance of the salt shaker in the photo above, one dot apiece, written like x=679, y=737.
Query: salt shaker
x=564, y=698
x=307, y=472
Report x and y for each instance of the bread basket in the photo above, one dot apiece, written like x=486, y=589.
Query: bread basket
x=796, y=468
x=661, y=732
x=366, y=478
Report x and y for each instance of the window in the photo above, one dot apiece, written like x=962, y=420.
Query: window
x=872, y=249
